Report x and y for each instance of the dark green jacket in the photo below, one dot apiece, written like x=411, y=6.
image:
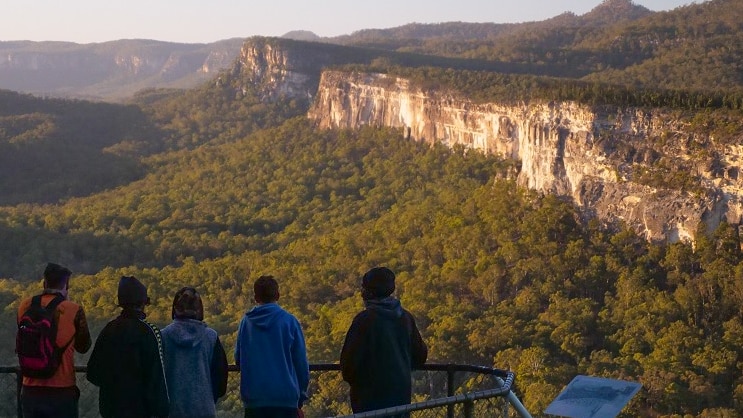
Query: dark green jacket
x=382, y=347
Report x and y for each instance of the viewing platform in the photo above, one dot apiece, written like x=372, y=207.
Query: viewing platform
x=439, y=390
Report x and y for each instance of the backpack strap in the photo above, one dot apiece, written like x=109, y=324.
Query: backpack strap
x=51, y=307
x=36, y=301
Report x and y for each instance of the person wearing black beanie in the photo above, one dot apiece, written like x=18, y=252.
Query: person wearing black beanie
x=127, y=360
x=382, y=347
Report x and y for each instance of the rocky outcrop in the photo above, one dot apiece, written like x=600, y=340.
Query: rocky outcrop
x=287, y=68
x=594, y=156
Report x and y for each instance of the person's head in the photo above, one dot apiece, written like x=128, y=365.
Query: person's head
x=56, y=276
x=266, y=290
x=187, y=304
x=132, y=293
x=377, y=283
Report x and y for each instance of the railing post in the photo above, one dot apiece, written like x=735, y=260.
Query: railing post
x=450, y=390
x=469, y=408
x=19, y=387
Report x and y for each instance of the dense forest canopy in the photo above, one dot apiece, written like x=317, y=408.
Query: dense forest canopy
x=214, y=187
x=494, y=274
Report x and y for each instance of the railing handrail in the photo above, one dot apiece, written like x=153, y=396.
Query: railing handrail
x=504, y=378
x=461, y=398
x=320, y=367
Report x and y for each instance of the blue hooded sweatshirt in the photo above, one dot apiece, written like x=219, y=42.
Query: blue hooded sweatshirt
x=272, y=357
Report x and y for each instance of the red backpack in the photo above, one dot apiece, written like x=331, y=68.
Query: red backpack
x=36, y=339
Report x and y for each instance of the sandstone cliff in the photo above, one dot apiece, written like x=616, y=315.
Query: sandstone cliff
x=591, y=155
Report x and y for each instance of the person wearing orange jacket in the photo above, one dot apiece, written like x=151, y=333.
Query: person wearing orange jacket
x=57, y=396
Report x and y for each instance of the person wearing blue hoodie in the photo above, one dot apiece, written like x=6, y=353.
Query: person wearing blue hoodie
x=195, y=361
x=272, y=357
x=382, y=347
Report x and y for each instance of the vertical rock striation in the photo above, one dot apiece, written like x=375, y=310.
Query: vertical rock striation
x=565, y=148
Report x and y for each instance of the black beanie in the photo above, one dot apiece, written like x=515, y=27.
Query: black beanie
x=132, y=292
x=379, y=282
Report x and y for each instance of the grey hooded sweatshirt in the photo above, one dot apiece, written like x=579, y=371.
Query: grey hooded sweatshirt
x=195, y=368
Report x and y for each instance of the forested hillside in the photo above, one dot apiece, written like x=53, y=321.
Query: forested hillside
x=232, y=189
x=695, y=47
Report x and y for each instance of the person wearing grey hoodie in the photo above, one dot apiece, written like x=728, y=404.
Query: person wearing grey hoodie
x=195, y=361
x=382, y=347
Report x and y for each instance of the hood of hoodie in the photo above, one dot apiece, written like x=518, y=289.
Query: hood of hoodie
x=388, y=307
x=263, y=316
x=187, y=332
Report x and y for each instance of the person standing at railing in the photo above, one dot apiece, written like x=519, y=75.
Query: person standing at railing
x=195, y=361
x=127, y=360
x=271, y=354
x=57, y=396
x=381, y=348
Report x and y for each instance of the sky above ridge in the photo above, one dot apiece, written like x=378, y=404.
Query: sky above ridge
x=203, y=21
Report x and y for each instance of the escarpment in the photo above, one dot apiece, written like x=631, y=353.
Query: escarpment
x=643, y=167
x=592, y=155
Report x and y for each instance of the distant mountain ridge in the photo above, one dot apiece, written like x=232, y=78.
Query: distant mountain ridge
x=115, y=70
x=110, y=71
x=696, y=46
x=609, y=12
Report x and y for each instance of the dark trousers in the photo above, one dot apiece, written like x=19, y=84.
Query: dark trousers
x=271, y=412
x=47, y=402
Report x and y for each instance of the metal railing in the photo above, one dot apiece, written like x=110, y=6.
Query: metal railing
x=439, y=390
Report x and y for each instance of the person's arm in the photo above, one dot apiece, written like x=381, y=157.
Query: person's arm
x=418, y=349
x=237, y=343
x=351, y=351
x=156, y=386
x=82, y=333
x=301, y=365
x=97, y=362
x=219, y=371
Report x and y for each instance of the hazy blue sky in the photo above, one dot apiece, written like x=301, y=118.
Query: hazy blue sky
x=196, y=21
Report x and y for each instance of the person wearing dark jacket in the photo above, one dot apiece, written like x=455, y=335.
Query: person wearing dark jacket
x=195, y=361
x=271, y=354
x=381, y=348
x=127, y=360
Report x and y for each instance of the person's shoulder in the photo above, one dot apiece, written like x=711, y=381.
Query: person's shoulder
x=69, y=305
x=407, y=313
x=288, y=315
x=363, y=315
x=68, y=302
x=25, y=303
x=211, y=333
x=144, y=323
x=149, y=331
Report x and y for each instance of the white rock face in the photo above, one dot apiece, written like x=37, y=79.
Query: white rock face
x=564, y=148
x=270, y=68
